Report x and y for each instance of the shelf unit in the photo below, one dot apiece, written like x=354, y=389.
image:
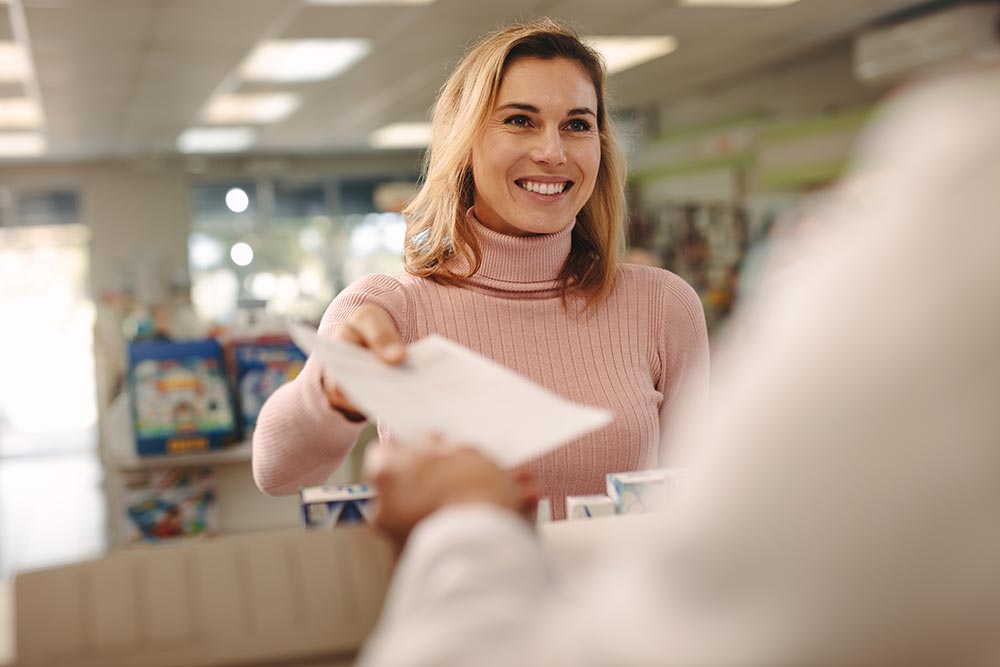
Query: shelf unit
x=241, y=507
x=238, y=453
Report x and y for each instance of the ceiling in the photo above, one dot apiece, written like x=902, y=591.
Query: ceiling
x=126, y=77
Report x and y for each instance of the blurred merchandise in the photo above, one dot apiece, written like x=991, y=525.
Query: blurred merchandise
x=588, y=507
x=180, y=398
x=328, y=506
x=639, y=491
x=702, y=243
x=261, y=366
x=169, y=504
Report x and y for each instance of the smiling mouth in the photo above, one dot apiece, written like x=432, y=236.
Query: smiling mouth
x=549, y=189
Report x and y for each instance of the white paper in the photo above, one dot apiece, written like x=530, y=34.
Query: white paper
x=445, y=388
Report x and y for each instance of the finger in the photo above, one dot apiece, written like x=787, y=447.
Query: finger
x=523, y=475
x=527, y=491
x=378, y=332
x=341, y=404
x=374, y=463
x=435, y=442
x=388, y=442
x=348, y=333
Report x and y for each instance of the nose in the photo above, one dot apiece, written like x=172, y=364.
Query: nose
x=548, y=147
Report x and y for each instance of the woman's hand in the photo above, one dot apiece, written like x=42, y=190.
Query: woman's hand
x=369, y=327
x=414, y=482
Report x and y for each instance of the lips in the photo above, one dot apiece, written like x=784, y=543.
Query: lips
x=547, y=188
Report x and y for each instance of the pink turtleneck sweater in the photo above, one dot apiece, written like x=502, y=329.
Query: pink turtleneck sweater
x=634, y=353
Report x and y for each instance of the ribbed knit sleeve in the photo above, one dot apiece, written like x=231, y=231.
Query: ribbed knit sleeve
x=300, y=440
x=683, y=351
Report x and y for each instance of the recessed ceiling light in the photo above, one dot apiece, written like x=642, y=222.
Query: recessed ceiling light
x=21, y=144
x=241, y=253
x=401, y=135
x=14, y=65
x=294, y=60
x=215, y=139
x=256, y=108
x=19, y=113
x=356, y=3
x=621, y=53
x=736, y=3
x=237, y=200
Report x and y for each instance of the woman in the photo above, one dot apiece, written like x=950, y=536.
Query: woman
x=512, y=250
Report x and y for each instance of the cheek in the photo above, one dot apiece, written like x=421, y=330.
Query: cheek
x=588, y=160
x=595, y=161
x=485, y=168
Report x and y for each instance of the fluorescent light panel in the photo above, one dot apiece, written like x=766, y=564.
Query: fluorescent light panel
x=402, y=135
x=21, y=144
x=297, y=60
x=362, y=3
x=215, y=139
x=256, y=108
x=19, y=113
x=14, y=65
x=737, y=3
x=622, y=53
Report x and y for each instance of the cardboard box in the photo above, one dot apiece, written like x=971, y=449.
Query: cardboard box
x=638, y=492
x=327, y=506
x=587, y=507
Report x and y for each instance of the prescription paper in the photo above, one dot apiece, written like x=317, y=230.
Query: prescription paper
x=448, y=389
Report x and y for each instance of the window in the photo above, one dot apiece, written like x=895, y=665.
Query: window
x=51, y=504
x=293, y=246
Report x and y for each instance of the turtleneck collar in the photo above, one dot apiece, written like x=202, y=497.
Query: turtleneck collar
x=517, y=263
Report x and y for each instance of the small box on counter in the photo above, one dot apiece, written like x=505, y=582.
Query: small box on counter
x=328, y=506
x=587, y=507
x=639, y=491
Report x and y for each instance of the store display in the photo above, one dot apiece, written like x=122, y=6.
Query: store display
x=168, y=504
x=261, y=367
x=328, y=506
x=181, y=401
x=703, y=243
x=639, y=491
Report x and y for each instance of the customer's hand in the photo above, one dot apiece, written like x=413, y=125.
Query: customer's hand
x=414, y=482
x=369, y=327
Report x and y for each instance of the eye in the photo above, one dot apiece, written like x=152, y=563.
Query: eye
x=519, y=120
x=578, y=125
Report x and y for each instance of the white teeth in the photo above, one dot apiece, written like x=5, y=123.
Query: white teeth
x=544, y=188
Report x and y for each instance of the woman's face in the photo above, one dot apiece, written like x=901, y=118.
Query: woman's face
x=535, y=163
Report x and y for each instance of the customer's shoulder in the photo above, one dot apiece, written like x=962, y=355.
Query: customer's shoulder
x=656, y=280
x=375, y=284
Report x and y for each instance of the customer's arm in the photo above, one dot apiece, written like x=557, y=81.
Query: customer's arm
x=683, y=353
x=300, y=439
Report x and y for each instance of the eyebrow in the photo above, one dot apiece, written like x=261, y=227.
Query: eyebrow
x=579, y=111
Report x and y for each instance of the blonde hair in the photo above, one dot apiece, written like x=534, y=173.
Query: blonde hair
x=437, y=227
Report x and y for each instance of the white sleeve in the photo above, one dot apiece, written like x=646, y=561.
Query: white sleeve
x=469, y=577
x=475, y=588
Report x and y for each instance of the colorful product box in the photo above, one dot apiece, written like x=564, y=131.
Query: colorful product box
x=181, y=401
x=588, y=507
x=328, y=506
x=639, y=491
x=168, y=505
x=262, y=367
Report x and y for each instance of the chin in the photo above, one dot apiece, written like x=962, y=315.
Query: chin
x=546, y=226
